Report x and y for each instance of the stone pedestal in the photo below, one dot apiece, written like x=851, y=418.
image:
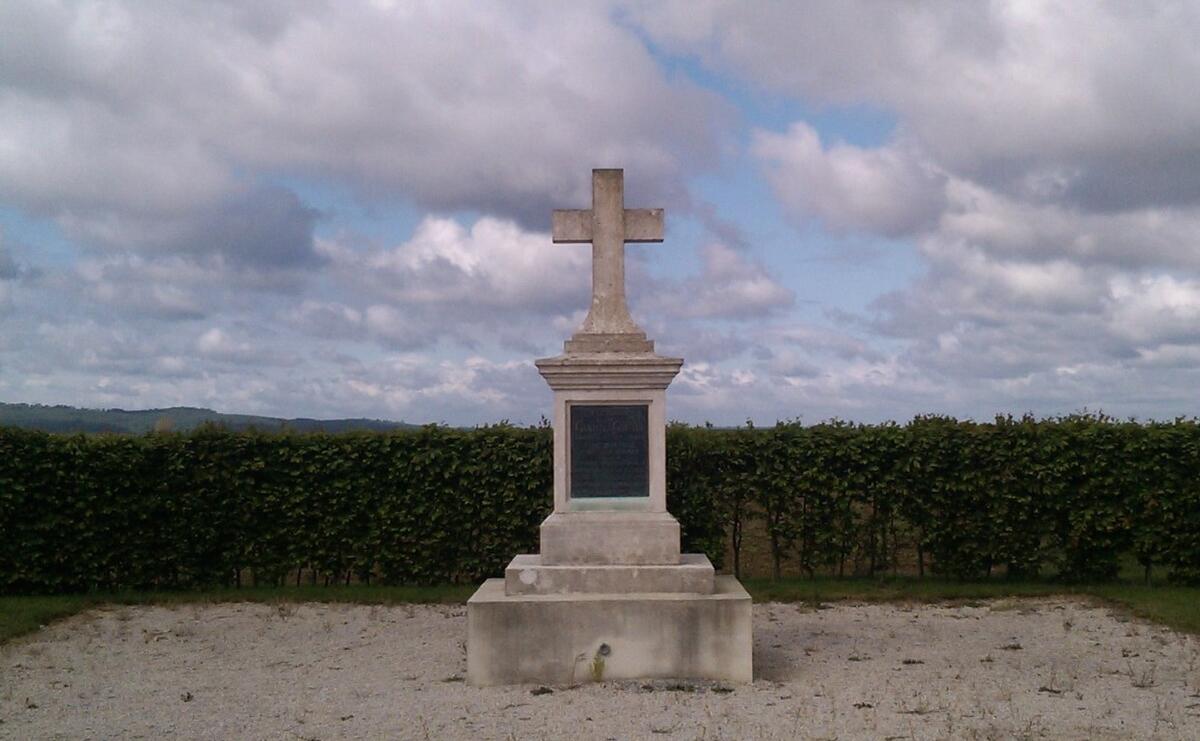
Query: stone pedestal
x=600, y=537
x=580, y=637
x=609, y=596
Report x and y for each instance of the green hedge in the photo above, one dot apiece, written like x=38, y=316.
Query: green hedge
x=1066, y=496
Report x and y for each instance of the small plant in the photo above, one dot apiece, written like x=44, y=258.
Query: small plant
x=1050, y=687
x=597, y=665
x=921, y=707
x=1143, y=679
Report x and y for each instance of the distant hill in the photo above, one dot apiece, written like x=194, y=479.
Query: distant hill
x=180, y=419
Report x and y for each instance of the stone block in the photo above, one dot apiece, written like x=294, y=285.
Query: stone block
x=526, y=574
x=627, y=342
x=600, y=538
x=571, y=638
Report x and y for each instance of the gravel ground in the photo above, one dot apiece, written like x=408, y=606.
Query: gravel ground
x=999, y=670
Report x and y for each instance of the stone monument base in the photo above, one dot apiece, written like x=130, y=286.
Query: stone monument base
x=530, y=574
x=610, y=537
x=572, y=638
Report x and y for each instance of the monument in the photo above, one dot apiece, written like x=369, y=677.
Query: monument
x=610, y=595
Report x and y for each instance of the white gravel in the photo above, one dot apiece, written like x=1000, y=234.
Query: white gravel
x=999, y=670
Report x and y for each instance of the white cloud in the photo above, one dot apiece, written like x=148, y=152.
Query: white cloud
x=1097, y=96
x=1011, y=228
x=887, y=190
x=124, y=118
x=492, y=265
x=1156, y=309
x=1045, y=163
x=218, y=344
x=728, y=286
x=328, y=319
x=496, y=282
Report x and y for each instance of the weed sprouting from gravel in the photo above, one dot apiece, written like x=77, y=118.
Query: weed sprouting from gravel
x=1143, y=679
x=919, y=706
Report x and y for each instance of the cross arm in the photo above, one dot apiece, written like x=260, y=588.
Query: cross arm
x=575, y=225
x=572, y=225
x=643, y=225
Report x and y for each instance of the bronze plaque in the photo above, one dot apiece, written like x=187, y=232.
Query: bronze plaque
x=610, y=454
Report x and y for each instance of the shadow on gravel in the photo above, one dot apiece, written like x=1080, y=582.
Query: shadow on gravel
x=773, y=663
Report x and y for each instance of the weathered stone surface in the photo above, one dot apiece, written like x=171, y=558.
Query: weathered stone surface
x=601, y=371
x=571, y=638
x=627, y=342
x=608, y=537
x=526, y=574
x=608, y=226
x=609, y=596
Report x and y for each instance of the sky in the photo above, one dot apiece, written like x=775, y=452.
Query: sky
x=342, y=209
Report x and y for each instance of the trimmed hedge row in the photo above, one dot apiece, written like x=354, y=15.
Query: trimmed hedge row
x=194, y=510
x=1022, y=497
x=1018, y=496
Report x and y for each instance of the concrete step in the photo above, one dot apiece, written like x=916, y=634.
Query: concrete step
x=571, y=638
x=528, y=574
x=626, y=538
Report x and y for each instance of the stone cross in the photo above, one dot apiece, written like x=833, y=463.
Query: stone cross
x=608, y=225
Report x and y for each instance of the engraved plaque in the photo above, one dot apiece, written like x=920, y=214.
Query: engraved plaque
x=610, y=454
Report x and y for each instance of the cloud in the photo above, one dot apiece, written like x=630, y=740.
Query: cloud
x=326, y=319
x=9, y=270
x=174, y=170
x=1093, y=99
x=886, y=190
x=264, y=227
x=1006, y=227
x=493, y=281
x=1044, y=165
x=1155, y=310
x=492, y=265
x=403, y=330
x=728, y=286
x=489, y=111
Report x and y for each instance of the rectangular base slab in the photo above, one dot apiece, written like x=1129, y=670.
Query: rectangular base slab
x=572, y=638
x=636, y=538
x=526, y=574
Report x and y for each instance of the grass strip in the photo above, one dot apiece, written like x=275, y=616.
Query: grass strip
x=1175, y=607
x=21, y=615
